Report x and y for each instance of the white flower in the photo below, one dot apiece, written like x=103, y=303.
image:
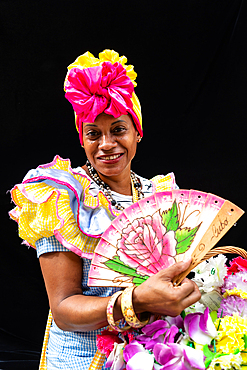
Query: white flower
x=201, y=268
x=209, y=275
x=239, y=280
x=227, y=362
x=141, y=361
x=197, y=307
x=184, y=339
x=115, y=361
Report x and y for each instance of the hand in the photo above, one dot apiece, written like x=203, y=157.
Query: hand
x=158, y=294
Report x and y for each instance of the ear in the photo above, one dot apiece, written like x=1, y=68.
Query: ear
x=138, y=136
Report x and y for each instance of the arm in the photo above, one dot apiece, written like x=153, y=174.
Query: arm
x=72, y=311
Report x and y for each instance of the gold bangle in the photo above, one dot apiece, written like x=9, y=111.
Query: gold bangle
x=128, y=310
x=109, y=312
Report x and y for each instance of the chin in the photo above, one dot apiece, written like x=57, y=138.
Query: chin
x=110, y=173
x=113, y=171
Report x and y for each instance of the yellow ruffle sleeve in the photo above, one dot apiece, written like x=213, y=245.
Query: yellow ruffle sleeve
x=43, y=210
x=55, y=200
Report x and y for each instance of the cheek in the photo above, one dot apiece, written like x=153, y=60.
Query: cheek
x=89, y=149
x=132, y=148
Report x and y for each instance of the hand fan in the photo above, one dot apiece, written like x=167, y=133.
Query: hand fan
x=158, y=231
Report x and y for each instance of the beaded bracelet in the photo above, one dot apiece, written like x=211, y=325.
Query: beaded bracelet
x=128, y=310
x=109, y=313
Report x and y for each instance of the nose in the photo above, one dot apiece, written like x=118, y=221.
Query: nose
x=107, y=142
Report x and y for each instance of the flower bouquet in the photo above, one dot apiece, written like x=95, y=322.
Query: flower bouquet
x=211, y=334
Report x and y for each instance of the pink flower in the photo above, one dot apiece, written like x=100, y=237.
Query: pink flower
x=177, y=357
x=146, y=246
x=237, y=280
x=232, y=304
x=158, y=331
x=236, y=265
x=200, y=327
x=105, y=341
x=137, y=358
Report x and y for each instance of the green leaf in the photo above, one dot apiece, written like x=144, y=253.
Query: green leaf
x=183, y=314
x=139, y=280
x=213, y=315
x=170, y=218
x=245, y=341
x=207, y=352
x=117, y=265
x=210, y=356
x=185, y=238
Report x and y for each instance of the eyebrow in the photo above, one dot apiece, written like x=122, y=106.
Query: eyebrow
x=113, y=123
x=119, y=120
x=90, y=124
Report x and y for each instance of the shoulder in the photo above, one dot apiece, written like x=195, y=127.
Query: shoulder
x=55, y=199
x=164, y=182
x=158, y=183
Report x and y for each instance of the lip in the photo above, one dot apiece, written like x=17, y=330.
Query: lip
x=106, y=158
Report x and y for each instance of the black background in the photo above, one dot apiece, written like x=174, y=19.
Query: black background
x=190, y=57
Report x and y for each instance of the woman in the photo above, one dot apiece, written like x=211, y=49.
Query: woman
x=63, y=211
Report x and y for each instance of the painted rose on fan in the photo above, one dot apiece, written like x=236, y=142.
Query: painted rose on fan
x=149, y=244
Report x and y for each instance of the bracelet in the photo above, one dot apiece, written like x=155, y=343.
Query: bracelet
x=109, y=312
x=128, y=310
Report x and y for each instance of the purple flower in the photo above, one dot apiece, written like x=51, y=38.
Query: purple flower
x=235, y=281
x=156, y=328
x=232, y=304
x=157, y=332
x=177, y=321
x=200, y=327
x=177, y=357
x=137, y=358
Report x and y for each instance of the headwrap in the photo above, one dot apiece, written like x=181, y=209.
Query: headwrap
x=106, y=84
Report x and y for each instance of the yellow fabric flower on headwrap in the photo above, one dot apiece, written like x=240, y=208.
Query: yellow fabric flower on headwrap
x=85, y=60
x=113, y=57
x=108, y=88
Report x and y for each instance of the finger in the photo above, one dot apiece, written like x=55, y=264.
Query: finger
x=187, y=288
x=191, y=298
x=176, y=269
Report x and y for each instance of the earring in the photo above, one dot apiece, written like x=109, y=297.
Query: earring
x=139, y=140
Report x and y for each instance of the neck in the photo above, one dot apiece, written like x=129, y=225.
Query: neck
x=119, y=183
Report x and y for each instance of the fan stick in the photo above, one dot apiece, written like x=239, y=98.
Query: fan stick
x=225, y=219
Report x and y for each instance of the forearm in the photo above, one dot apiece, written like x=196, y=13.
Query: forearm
x=83, y=313
x=74, y=311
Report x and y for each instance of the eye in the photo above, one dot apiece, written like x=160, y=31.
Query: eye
x=92, y=134
x=119, y=129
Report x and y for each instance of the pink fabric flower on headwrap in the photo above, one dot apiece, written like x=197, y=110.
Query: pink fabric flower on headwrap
x=105, y=88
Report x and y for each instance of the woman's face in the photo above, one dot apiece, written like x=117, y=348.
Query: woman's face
x=110, y=144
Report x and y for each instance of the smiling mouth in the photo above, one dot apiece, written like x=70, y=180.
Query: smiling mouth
x=110, y=157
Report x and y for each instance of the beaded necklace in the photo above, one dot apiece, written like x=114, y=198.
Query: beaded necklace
x=135, y=183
